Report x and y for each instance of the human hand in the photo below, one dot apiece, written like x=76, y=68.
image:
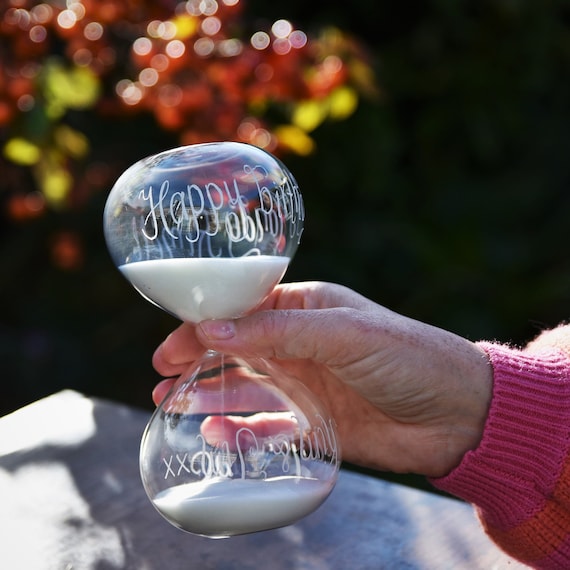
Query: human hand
x=406, y=396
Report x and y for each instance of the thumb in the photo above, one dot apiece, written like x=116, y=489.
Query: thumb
x=322, y=335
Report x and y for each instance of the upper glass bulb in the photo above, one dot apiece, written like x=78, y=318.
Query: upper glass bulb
x=220, y=220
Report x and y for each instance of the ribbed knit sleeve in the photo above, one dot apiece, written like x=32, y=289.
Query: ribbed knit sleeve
x=518, y=478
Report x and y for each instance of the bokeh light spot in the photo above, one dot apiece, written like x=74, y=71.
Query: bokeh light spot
x=204, y=47
x=175, y=49
x=78, y=9
x=83, y=57
x=148, y=77
x=282, y=46
x=160, y=62
x=298, y=39
x=18, y=17
x=66, y=19
x=281, y=29
x=93, y=31
x=38, y=34
x=42, y=13
x=142, y=46
x=130, y=92
x=30, y=69
x=168, y=30
x=26, y=102
x=332, y=64
x=170, y=95
x=211, y=25
x=208, y=7
x=154, y=29
x=230, y=48
x=260, y=40
x=245, y=129
x=261, y=138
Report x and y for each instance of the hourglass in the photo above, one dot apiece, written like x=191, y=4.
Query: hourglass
x=237, y=446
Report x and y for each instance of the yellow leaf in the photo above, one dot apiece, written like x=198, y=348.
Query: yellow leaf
x=186, y=26
x=73, y=88
x=295, y=139
x=72, y=142
x=308, y=115
x=22, y=151
x=342, y=103
x=56, y=184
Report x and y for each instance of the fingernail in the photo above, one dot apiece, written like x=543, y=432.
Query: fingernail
x=218, y=330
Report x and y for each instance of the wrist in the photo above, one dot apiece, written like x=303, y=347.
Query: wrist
x=525, y=438
x=473, y=387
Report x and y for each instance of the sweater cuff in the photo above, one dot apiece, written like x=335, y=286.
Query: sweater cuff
x=525, y=441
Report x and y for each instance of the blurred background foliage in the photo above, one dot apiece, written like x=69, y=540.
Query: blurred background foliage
x=443, y=193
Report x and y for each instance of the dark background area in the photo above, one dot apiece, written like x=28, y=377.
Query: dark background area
x=446, y=198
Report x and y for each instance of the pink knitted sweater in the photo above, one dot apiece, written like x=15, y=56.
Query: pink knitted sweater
x=518, y=478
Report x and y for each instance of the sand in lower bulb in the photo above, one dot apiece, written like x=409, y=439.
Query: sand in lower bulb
x=219, y=508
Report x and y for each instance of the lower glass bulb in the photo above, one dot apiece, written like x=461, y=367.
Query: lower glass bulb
x=238, y=447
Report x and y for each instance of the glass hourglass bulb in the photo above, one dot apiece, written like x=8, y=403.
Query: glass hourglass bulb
x=237, y=446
